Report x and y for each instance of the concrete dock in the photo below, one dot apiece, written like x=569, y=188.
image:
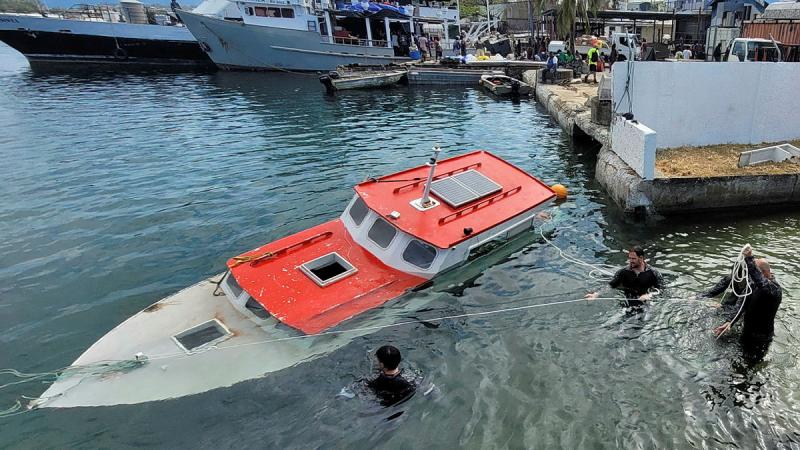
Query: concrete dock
x=679, y=184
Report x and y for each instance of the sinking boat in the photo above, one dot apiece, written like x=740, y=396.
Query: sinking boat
x=504, y=86
x=339, y=80
x=282, y=303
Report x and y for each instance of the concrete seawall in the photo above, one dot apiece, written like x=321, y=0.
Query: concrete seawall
x=567, y=105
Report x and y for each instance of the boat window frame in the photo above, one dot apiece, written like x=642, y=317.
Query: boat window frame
x=291, y=13
x=353, y=205
x=423, y=244
x=394, y=236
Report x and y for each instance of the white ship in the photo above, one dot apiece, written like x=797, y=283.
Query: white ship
x=299, y=35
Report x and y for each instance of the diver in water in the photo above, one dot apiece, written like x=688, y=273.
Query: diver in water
x=757, y=310
x=636, y=279
x=390, y=385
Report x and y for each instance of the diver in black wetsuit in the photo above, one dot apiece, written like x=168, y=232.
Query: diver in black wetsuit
x=757, y=310
x=635, y=280
x=390, y=386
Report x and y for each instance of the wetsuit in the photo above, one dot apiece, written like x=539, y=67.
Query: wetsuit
x=635, y=285
x=758, y=312
x=720, y=287
x=392, y=389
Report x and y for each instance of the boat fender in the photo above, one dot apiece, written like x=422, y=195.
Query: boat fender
x=560, y=190
x=120, y=53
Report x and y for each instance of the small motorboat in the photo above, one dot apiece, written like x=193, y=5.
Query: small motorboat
x=339, y=80
x=283, y=303
x=504, y=86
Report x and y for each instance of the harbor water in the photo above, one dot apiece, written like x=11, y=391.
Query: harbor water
x=119, y=189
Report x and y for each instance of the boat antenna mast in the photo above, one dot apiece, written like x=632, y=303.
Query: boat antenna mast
x=426, y=194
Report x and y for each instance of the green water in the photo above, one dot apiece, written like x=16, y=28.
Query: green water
x=120, y=189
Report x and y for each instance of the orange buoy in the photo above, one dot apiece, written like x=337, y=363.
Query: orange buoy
x=560, y=190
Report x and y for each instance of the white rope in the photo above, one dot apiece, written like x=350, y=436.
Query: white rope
x=595, y=268
x=739, y=274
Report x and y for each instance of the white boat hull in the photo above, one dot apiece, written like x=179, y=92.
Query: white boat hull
x=171, y=372
x=235, y=45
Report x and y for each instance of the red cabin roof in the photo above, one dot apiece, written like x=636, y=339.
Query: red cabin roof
x=277, y=282
x=443, y=226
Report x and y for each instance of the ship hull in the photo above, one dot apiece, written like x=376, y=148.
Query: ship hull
x=53, y=43
x=238, y=46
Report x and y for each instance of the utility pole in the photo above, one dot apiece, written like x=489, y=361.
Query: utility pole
x=488, y=17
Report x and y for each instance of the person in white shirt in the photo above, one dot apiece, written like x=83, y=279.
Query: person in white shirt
x=687, y=54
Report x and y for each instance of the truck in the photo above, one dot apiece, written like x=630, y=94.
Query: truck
x=753, y=49
x=628, y=45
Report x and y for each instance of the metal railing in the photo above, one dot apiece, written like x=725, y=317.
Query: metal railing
x=355, y=41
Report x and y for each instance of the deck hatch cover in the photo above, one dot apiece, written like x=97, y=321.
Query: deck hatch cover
x=207, y=333
x=463, y=188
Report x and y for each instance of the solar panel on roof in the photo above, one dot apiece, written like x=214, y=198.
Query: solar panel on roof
x=478, y=183
x=463, y=188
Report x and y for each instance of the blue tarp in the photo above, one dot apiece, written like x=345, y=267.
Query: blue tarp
x=359, y=9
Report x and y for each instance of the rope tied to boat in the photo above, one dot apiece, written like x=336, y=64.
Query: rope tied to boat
x=239, y=260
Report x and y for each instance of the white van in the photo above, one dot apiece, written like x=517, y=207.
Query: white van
x=753, y=49
x=627, y=45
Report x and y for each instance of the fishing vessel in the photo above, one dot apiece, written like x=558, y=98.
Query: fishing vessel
x=94, y=35
x=504, y=86
x=299, y=35
x=289, y=301
x=340, y=80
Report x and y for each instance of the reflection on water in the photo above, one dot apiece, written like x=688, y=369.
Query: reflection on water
x=121, y=188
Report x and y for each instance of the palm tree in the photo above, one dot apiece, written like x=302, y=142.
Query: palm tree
x=568, y=12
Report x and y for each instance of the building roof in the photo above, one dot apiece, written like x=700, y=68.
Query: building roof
x=782, y=10
x=443, y=225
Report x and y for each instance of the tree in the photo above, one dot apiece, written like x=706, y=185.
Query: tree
x=568, y=12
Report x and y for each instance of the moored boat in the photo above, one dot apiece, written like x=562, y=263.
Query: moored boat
x=503, y=86
x=299, y=35
x=81, y=39
x=280, y=304
x=340, y=80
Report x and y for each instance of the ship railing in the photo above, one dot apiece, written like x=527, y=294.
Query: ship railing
x=356, y=41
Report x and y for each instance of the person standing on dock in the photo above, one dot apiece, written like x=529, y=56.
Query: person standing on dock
x=592, y=56
x=436, y=48
x=463, y=44
x=423, y=47
x=717, y=55
x=636, y=279
x=758, y=309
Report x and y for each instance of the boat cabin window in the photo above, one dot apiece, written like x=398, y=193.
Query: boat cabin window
x=419, y=254
x=287, y=13
x=233, y=285
x=358, y=211
x=249, y=11
x=382, y=233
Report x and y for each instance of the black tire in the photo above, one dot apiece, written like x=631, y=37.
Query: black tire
x=120, y=54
